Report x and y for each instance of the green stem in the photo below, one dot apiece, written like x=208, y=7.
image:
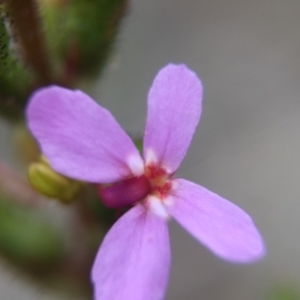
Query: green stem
x=27, y=27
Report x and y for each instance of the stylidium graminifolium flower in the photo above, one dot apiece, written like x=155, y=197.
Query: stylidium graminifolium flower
x=82, y=140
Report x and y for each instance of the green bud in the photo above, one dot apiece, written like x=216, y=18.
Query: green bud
x=52, y=184
x=81, y=34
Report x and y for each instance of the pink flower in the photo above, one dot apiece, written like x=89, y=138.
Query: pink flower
x=82, y=140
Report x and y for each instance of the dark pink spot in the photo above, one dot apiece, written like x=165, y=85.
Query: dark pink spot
x=125, y=192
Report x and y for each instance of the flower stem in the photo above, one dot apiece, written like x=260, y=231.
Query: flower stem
x=26, y=25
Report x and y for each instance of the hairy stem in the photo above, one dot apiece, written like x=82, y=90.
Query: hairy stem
x=26, y=25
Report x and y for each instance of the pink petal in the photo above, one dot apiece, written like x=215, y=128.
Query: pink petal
x=174, y=108
x=134, y=259
x=220, y=225
x=80, y=138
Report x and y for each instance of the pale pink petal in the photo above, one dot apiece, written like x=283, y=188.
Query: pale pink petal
x=133, y=261
x=174, y=108
x=220, y=225
x=80, y=138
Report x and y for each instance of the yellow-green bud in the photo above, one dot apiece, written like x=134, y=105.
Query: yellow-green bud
x=52, y=184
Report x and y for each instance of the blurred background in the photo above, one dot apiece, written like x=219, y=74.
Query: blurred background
x=247, y=145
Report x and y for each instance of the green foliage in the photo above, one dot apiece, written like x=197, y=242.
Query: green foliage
x=284, y=293
x=81, y=33
x=100, y=213
x=15, y=79
x=71, y=44
x=27, y=239
x=138, y=141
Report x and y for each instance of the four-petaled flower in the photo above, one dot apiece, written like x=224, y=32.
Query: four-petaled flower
x=82, y=140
